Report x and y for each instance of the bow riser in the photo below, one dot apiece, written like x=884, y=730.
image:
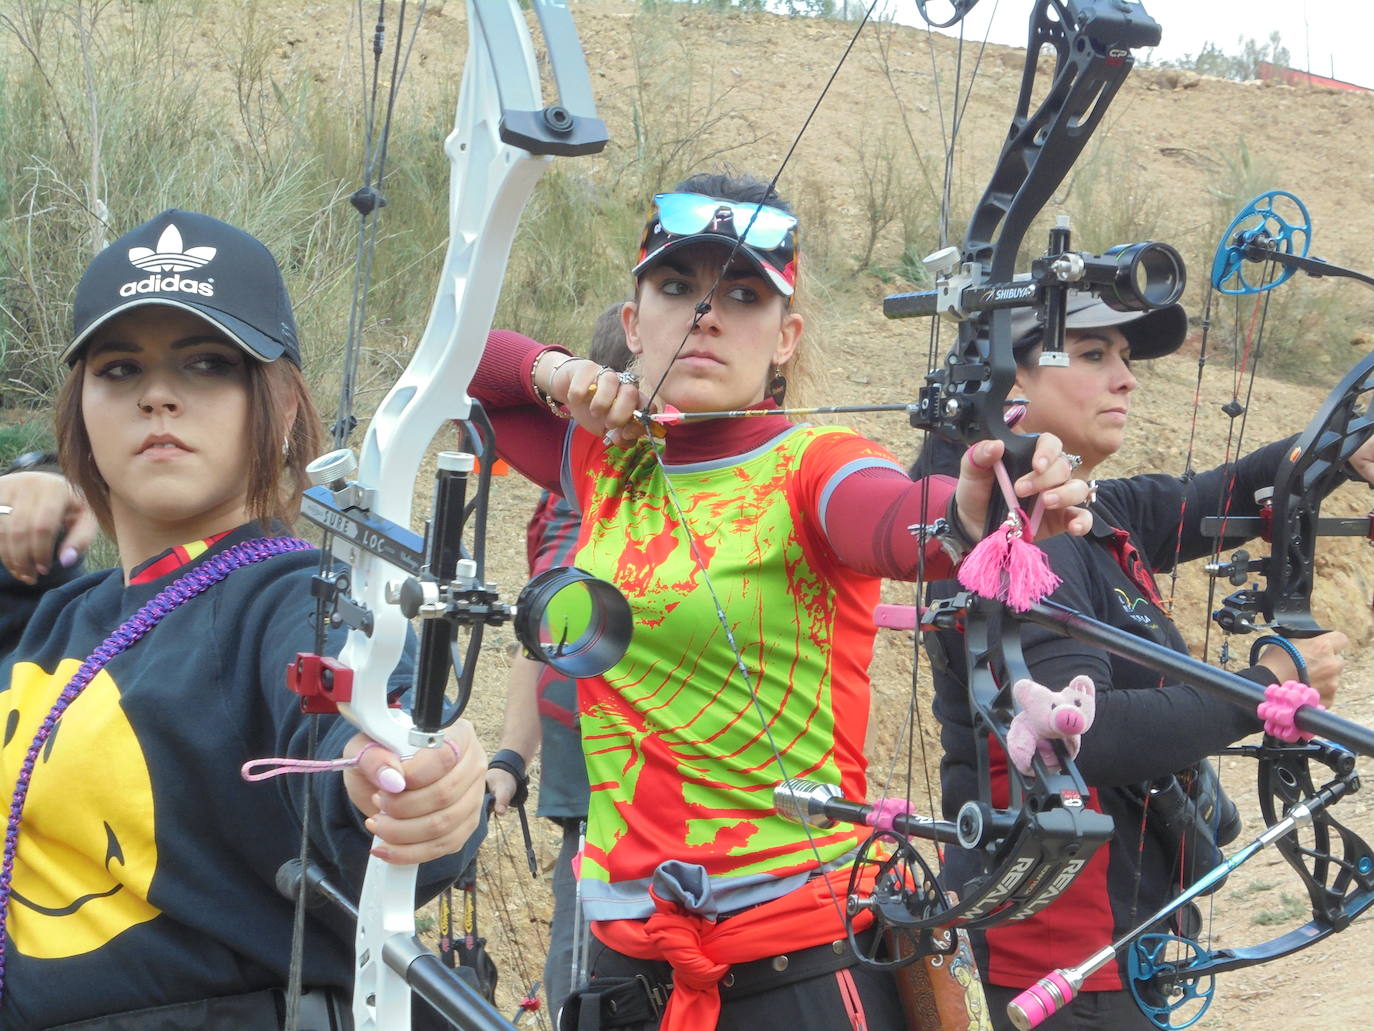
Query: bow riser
x=499, y=146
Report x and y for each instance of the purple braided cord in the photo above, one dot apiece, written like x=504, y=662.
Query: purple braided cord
x=171, y=597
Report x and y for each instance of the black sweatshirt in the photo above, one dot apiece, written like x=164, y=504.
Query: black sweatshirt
x=146, y=864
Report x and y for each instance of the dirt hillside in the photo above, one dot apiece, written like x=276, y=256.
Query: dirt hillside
x=1177, y=146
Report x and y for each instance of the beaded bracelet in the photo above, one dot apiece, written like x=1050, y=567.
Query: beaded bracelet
x=559, y=410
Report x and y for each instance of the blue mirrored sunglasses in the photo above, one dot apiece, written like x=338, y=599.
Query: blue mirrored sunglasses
x=758, y=225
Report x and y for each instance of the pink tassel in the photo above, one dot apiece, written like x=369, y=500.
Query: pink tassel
x=1008, y=568
x=1004, y=565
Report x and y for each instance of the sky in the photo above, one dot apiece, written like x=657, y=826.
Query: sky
x=1327, y=37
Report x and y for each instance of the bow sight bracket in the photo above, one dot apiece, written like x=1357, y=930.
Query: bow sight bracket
x=443, y=585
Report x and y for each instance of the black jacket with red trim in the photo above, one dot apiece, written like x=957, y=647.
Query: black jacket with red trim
x=1143, y=729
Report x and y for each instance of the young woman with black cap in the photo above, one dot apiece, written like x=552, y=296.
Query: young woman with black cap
x=138, y=885
x=1147, y=734
x=751, y=551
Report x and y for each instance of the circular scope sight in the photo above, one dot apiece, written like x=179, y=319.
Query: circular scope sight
x=576, y=623
x=1146, y=276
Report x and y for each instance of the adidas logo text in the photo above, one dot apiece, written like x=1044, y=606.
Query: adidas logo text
x=168, y=284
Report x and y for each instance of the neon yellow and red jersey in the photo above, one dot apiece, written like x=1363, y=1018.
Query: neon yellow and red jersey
x=680, y=752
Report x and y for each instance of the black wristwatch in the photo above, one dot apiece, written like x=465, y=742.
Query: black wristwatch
x=513, y=762
x=948, y=532
x=33, y=461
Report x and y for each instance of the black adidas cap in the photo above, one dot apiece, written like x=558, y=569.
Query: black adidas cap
x=186, y=260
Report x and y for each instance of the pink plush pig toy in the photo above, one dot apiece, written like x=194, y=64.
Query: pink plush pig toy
x=1047, y=716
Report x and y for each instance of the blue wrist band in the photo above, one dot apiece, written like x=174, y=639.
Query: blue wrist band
x=1287, y=646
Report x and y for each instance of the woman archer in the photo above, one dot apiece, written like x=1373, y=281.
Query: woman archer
x=751, y=551
x=1148, y=734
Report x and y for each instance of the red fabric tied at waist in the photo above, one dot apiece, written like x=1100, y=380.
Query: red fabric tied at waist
x=701, y=951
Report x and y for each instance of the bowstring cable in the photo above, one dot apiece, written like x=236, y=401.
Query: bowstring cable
x=915, y=730
x=1242, y=357
x=369, y=199
x=511, y=854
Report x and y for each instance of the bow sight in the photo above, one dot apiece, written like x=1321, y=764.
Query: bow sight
x=1127, y=277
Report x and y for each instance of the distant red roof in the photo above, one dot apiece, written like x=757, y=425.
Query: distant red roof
x=1296, y=78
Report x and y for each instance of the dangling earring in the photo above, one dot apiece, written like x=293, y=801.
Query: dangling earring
x=777, y=386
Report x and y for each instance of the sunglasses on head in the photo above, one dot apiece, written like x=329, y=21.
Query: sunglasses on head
x=759, y=225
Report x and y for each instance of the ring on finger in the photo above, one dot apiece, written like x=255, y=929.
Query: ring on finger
x=1092, y=492
x=591, y=389
x=1074, y=460
x=627, y=377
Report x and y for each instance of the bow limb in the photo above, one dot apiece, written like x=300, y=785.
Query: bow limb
x=1315, y=465
x=1334, y=863
x=503, y=139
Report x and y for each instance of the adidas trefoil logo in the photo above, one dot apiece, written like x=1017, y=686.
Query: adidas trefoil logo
x=171, y=256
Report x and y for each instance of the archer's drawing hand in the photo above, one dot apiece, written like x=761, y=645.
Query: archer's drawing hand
x=1362, y=461
x=598, y=398
x=1324, y=656
x=1051, y=477
x=49, y=522
x=423, y=807
x=502, y=787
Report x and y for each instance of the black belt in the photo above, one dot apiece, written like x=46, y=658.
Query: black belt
x=761, y=975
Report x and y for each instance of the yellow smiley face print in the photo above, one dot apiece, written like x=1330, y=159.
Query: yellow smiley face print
x=87, y=850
